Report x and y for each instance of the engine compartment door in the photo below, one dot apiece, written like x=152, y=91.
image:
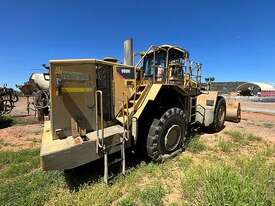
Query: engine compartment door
x=72, y=90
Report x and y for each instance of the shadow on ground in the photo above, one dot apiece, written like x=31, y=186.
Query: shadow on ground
x=6, y=122
x=93, y=172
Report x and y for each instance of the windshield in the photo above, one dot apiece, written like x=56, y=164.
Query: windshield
x=148, y=62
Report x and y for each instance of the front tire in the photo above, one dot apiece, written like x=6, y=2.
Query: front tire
x=166, y=134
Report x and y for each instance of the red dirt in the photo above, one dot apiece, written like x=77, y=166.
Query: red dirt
x=21, y=136
x=258, y=105
x=251, y=123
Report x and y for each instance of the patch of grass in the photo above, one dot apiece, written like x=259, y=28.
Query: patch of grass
x=196, y=146
x=18, y=162
x=152, y=196
x=269, y=151
x=22, y=183
x=231, y=180
x=242, y=138
x=127, y=202
x=234, y=134
x=17, y=169
x=8, y=157
x=225, y=146
x=268, y=125
x=185, y=161
x=8, y=121
x=36, y=141
x=174, y=204
x=21, y=121
x=248, y=182
x=3, y=143
x=237, y=137
x=34, y=188
x=252, y=137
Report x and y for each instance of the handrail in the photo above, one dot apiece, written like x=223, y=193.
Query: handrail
x=99, y=143
x=123, y=117
x=128, y=127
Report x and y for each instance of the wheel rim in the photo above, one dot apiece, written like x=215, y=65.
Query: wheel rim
x=172, y=137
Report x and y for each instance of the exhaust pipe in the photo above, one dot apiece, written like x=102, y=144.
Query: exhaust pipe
x=128, y=52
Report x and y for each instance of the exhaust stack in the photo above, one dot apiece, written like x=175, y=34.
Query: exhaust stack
x=128, y=52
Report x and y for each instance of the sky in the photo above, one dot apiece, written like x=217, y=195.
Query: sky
x=233, y=39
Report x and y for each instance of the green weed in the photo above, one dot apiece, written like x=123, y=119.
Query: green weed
x=185, y=162
x=252, y=137
x=225, y=146
x=152, y=196
x=3, y=143
x=234, y=134
x=237, y=137
x=268, y=125
x=196, y=146
x=127, y=202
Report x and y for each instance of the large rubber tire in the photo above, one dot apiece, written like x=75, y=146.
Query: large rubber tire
x=166, y=134
x=219, y=116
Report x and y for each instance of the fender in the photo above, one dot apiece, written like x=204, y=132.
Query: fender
x=206, y=104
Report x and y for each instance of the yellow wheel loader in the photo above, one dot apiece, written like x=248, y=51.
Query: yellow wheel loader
x=101, y=107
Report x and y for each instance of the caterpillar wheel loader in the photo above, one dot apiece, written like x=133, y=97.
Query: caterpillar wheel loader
x=101, y=107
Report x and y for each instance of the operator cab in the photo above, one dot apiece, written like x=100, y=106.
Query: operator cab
x=164, y=63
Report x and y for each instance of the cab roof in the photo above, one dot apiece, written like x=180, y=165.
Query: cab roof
x=170, y=46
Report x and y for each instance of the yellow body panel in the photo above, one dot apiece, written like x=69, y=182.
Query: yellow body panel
x=154, y=90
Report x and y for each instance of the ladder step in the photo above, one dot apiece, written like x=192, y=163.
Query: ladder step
x=113, y=145
x=115, y=161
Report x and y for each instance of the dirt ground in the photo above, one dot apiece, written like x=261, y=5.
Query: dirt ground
x=259, y=105
x=24, y=134
x=28, y=135
x=261, y=125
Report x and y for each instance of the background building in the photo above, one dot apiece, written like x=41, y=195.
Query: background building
x=245, y=88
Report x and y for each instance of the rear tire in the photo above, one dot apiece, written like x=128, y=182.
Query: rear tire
x=219, y=116
x=166, y=134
